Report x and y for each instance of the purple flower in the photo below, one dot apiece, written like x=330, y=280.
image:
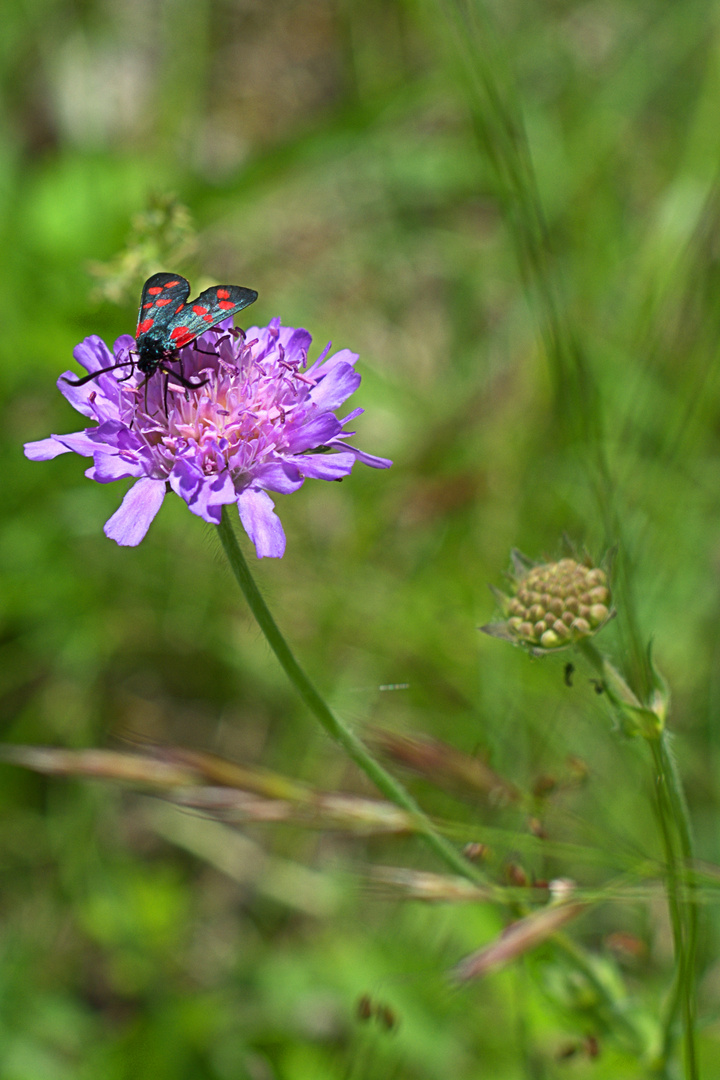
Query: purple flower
x=259, y=423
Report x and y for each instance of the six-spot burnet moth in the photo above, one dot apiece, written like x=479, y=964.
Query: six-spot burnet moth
x=167, y=322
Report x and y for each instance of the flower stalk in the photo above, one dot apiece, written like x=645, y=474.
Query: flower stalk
x=333, y=725
x=676, y=836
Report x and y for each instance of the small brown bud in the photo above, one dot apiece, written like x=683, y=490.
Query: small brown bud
x=599, y=595
x=516, y=875
x=598, y=614
x=364, y=1007
x=476, y=850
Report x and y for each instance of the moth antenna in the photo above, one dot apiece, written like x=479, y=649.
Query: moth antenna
x=94, y=374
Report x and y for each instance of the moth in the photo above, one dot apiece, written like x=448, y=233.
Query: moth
x=168, y=321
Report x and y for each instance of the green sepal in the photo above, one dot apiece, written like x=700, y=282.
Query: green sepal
x=639, y=720
x=660, y=696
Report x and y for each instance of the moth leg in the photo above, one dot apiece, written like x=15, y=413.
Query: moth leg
x=182, y=380
x=130, y=373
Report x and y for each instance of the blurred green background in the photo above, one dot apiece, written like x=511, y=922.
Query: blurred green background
x=332, y=156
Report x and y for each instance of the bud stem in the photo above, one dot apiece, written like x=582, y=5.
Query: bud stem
x=677, y=841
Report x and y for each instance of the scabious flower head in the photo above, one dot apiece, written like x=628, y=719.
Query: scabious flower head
x=552, y=605
x=263, y=421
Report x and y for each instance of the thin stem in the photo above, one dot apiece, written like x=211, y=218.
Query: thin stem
x=672, y=862
x=677, y=841
x=675, y=824
x=333, y=725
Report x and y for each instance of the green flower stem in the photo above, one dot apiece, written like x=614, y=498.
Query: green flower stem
x=682, y=899
x=677, y=841
x=334, y=726
x=617, y=689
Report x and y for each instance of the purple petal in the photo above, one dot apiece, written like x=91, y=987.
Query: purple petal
x=335, y=387
x=125, y=343
x=185, y=478
x=325, y=366
x=45, y=449
x=296, y=346
x=129, y=525
x=211, y=496
x=366, y=459
x=295, y=342
x=266, y=337
x=314, y=366
x=352, y=416
x=93, y=354
x=261, y=523
x=315, y=433
x=278, y=476
x=117, y=435
x=324, y=466
x=80, y=442
x=90, y=400
x=100, y=397
x=109, y=467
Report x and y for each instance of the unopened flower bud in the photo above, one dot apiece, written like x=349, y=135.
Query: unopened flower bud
x=554, y=604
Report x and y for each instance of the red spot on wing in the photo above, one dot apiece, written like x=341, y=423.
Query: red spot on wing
x=162, y=301
x=150, y=303
x=181, y=335
x=179, y=308
x=144, y=326
x=225, y=304
x=223, y=294
x=170, y=285
x=155, y=290
x=208, y=318
x=199, y=309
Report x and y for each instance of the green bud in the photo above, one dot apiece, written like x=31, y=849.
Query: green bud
x=553, y=604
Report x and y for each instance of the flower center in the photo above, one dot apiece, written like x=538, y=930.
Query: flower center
x=243, y=412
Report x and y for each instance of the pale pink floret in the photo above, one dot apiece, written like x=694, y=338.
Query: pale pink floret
x=260, y=423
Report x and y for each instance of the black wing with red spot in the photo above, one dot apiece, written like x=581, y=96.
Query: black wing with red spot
x=211, y=307
x=167, y=321
x=163, y=297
